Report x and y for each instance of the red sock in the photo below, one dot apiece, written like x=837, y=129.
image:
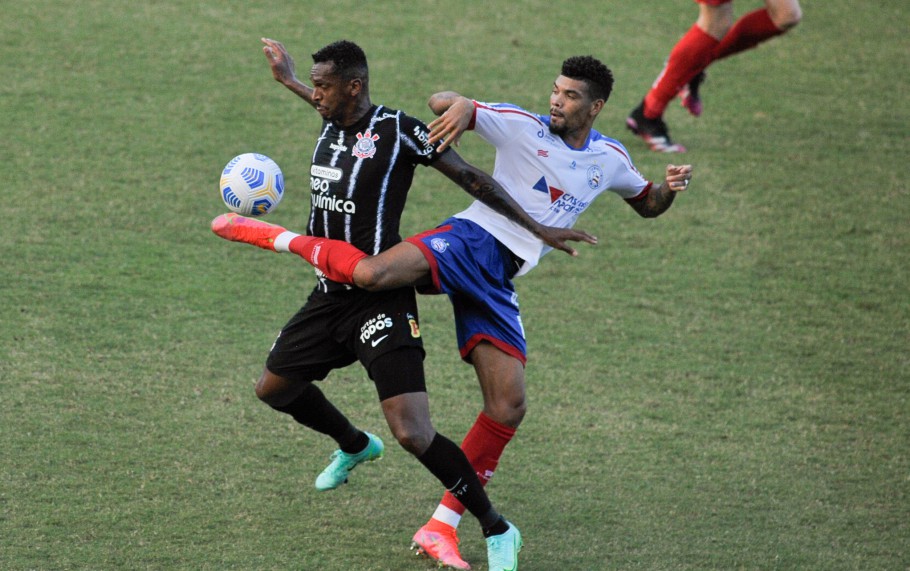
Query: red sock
x=483, y=445
x=749, y=31
x=334, y=258
x=691, y=54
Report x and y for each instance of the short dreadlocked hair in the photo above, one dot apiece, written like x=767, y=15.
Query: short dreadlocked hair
x=595, y=74
x=350, y=61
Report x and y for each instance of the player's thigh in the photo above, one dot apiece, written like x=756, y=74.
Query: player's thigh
x=306, y=349
x=489, y=313
x=715, y=18
x=402, y=265
x=400, y=382
x=384, y=322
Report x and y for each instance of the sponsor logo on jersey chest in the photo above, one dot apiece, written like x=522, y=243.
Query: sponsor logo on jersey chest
x=321, y=179
x=328, y=173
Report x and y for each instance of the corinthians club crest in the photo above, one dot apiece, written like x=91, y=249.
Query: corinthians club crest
x=365, y=147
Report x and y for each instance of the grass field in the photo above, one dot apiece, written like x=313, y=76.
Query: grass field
x=725, y=387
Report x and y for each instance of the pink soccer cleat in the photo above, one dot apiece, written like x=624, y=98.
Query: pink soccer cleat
x=439, y=544
x=689, y=95
x=237, y=228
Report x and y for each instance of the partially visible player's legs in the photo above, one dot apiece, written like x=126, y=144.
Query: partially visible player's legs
x=501, y=378
x=758, y=26
x=408, y=416
x=335, y=258
x=714, y=36
x=306, y=404
x=691, y=54
x=777, y=17
x=401, y=265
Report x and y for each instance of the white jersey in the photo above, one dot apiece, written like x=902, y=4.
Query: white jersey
x=553, y=182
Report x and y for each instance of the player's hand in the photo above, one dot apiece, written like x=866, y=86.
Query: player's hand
x=279, y=60
x=678, y=176
x=556, y=238
x=449, y=126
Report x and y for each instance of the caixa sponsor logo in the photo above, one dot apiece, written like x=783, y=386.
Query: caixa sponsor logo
x=372, y=329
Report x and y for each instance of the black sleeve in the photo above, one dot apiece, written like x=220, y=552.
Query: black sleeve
x=414, y=141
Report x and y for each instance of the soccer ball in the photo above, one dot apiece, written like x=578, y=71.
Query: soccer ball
x=251, y=184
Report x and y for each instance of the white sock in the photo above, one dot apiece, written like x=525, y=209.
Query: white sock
x=447, y=516
x=283, y=241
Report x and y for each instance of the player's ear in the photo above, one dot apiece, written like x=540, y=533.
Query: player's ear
x=596, y=107
x=355, y=86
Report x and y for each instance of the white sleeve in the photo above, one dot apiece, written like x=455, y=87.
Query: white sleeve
x=628, y=183
x=500, y=123
x=625, y=180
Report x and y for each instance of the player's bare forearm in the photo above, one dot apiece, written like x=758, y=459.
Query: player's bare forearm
x=440, y=102
x=302, y=90
x=484, y=188
x=282, y=66
x=660, y=199
x=455, y=113
x=656, y=203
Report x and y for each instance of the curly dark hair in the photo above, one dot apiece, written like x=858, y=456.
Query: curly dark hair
x=595, y=74
x=350, y=61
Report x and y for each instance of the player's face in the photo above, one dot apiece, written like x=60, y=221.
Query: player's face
x=331, y=94
x=571, y=108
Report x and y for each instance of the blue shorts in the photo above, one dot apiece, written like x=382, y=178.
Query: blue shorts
x=475, y=270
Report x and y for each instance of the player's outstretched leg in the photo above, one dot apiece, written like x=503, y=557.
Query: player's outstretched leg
x=502, y=550
x=336, y=259
x=337, y=472
x=237, y=228
x=439, y=543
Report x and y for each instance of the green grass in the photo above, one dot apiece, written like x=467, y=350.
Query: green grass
x=726, y=387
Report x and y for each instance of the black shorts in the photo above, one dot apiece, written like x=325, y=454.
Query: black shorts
x=333, y=330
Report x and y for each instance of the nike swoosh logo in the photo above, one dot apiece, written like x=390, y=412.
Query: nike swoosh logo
x=375, y=342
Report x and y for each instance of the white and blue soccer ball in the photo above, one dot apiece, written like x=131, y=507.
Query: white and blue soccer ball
x=251, y=184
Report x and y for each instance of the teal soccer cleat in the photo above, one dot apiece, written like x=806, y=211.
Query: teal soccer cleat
x=502, y=550
x=342, y=463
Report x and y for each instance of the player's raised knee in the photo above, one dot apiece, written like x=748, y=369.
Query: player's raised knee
x=414, y=441
x=509, y=412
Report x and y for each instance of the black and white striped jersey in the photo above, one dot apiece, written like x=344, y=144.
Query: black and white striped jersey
x=360, y=177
